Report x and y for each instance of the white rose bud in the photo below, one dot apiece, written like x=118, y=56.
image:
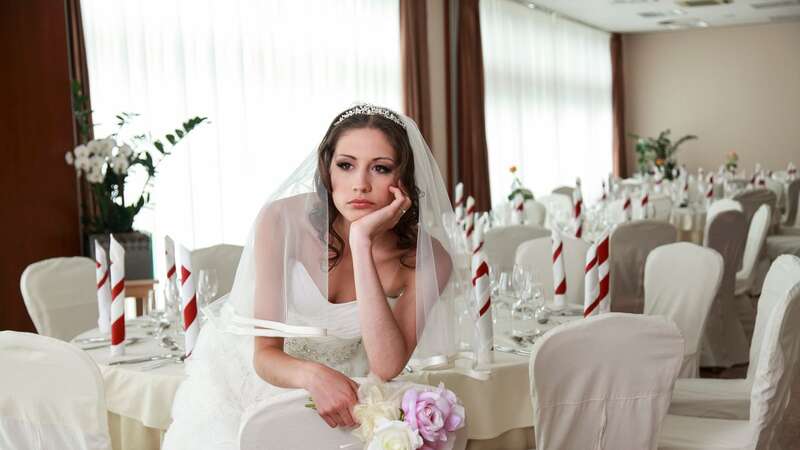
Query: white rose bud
x=120, y=165
x=82, y=163
x=69, y=158
x=108, y=145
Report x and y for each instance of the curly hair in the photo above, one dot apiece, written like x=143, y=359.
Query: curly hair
x=406, y=227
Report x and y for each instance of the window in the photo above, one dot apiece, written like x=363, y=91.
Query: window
x=269, y=75
x=548, y=99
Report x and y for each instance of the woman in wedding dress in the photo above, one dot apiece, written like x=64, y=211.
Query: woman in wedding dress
x=364, y=217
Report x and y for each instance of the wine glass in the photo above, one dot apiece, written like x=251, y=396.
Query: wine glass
x=207, y=286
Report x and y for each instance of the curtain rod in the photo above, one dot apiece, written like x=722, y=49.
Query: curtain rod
x=531, y=5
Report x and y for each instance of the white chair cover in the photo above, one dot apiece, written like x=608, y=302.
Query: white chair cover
x=535, y=213
x=721, y=205
x=500, y=244
x=680, y=282
x=564, y=190
x=662, y=207
x=769, y=397
x=730, y=399
x=285, y=423
x=725, y=343
x=753, y=199
x=629, y=246
x=792, y=201
x=52, y=395
x=61, y=296
x=222, y=257
x=537, y=255
x=604, y=382
x=754, y=248
x=558, y=206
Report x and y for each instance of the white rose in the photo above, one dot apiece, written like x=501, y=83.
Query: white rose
x=395, y=435
x=81, y=151
x=69, y=158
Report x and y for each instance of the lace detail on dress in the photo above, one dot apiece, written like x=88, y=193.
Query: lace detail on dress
x=331, y=352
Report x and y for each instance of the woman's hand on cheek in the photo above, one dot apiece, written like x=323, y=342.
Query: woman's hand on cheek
x=378, y=221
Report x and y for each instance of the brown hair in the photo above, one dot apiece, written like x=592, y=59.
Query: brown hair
x=406, y=228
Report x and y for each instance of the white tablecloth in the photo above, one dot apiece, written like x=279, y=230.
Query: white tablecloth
x=139, y=402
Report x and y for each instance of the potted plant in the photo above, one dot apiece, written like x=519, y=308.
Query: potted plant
x=658, y=153
x=517, y=187
x=106, y=164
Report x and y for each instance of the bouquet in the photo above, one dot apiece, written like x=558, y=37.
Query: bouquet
x=517, y=187
x=105, y=164
x=731, y=161
x=659, y=151
x=406, y=416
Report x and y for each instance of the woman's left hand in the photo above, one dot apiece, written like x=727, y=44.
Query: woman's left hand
x=384, y=219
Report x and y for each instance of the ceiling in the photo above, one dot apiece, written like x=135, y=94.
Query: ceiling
x=630, y=16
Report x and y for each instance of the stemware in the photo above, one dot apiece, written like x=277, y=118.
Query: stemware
x=207, y=286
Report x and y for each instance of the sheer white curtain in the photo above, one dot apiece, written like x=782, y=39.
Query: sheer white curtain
x=548, y=99
x=270, y=76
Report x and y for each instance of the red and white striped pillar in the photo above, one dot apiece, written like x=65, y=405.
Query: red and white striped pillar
x=103, y=289
x=169, y=254
x=191, y=325
x=117, y=269
x=482, y=289
x=459, y=203
x=627, y=209
x=590, y=282
x=469, y=223
x=559, y=272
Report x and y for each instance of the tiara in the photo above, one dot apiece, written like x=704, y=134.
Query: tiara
x=369, y=110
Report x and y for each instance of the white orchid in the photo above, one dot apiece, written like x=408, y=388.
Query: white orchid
x=81, y=151
x=119, y=164
x=94, y=175
x=126, y=150
x=69, y=158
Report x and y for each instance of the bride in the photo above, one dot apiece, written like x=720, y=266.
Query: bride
x=363, y=218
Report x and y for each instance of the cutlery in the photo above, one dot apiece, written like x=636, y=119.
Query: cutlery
x=101, y=344
x=513, y=351
x=144, y=359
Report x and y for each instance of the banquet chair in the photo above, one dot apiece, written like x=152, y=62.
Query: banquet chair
x=558, y=206
x=61, y=296
x=629, y=246
x=721, y=205
x=537, y=256
x=730, y=398
x=53, y=398
x=564, y=190
x=662, y=207
x=774, y=371
x=500, y=244
x=724, y=342
x=613, y=390
x=753, y=250
x=680, y=282
x=792, y=203
x=751, y=200
x=222, y=257
x=535, y=213
x=787, y=240
x=286, y=423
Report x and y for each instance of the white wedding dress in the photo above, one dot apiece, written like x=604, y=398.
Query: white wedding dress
x=222, y=383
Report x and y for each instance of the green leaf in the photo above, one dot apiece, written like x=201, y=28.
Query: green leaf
x=179, y=133
x=171, y=139
x=159, y=146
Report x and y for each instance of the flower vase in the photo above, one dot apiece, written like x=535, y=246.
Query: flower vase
x=138, y=252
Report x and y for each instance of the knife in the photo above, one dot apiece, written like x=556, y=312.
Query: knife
x=144, y=359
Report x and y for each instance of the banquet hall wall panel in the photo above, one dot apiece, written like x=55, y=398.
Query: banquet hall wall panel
x=737, y=88
x=40, y=213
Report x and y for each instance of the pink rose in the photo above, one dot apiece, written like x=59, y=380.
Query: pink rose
x=433, y=414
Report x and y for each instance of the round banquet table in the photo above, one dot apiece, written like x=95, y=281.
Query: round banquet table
x=139, y=400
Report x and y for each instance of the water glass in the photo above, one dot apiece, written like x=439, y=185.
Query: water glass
x=207, y=286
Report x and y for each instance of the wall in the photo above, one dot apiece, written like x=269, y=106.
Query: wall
x=737, y=88
x=37, y=188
